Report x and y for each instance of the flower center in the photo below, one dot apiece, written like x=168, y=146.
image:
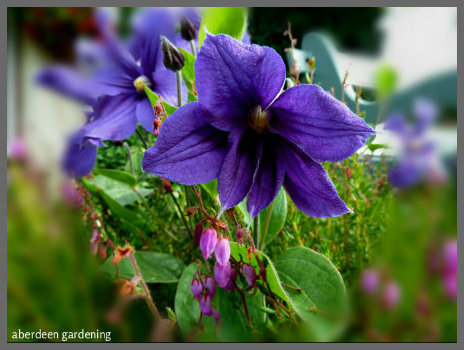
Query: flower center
x=140, y=82
x=258, y=120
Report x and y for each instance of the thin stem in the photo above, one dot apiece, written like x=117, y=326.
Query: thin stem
x=145, y=288
x=193, y=48
x=266, y=225
x=181, y=215
x=141, y=138
x=129, y=155
x=179, y=88
x=256, y=229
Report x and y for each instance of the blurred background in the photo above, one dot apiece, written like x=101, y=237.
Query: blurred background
x=399, y=259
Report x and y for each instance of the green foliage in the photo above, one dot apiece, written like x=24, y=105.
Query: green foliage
x=154, y=267
x=321, y=300
x=272, y=219
x=223, y=20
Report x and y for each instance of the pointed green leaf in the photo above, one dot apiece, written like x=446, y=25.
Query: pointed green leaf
x=225, y=20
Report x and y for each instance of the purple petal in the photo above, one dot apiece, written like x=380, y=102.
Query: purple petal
x=115, y=81
x=325, y=127
x=239, y=168
x=116, y=51
x=114, y=118
x=79, y=158
x=149, y=24
x=69, y=82
x=309, y=186
x=405, y=174
x=233, y=77
x=208, y=242
x=166, y=86
x=188, y=150
x=145, y=114
x=426, y=113
x=269, y=178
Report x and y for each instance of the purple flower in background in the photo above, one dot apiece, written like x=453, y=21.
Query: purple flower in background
x=370, y=281
x=210, y=286
x=419, y=159
x=217, y=317
x=253, y=138
x=222, y=251
x=450, y=267
x=196, y=288
x=205, y=305
x=391, y=295
x=115, y=93
x=208, y=242
x=94, y=241
x=230, y=285
x=17, y=149
x=222, y=274
x=250, y=274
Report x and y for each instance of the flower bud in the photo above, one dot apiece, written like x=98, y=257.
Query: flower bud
x=240, y=235
x=217, y=317
x=222, y=250
x=391, y=295
x=222, y=274
x=450, y=282
x=187, y=29
x=210, y=286
x=450, y=255
x=95, y=241
x=250, y=274
x=196, y=288
x=197, y=233
x=370, y=281
x=230, y=283
x=205, y=305
x=103, y=250
x=172, y=57
x=208, y=242
x=167, y=185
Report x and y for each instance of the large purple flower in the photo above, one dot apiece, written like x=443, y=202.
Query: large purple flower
x=253, y=138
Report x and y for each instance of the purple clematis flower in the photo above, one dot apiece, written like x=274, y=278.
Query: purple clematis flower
x=419, y=159
x=115, y=93
x=254, y=138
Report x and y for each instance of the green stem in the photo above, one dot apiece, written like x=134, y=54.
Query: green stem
x=179, y=88
x=256, y=229
x=129, y=155
x=181, y=215
x=194, y=50
x=145, y=288
x=141, y=138
x=266, y=225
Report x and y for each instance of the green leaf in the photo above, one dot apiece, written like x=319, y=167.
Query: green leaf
x=322, y=301
x=186, y=308
x=225, y=20
x=272, y=219
x=117, y=175
x=212, y=189
x=153, y=97
x=131, y=218
x=154, y=267
x=121, y=193
x=375, y=146
x=243, y=210
x=239, y=252
x=188, y=71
